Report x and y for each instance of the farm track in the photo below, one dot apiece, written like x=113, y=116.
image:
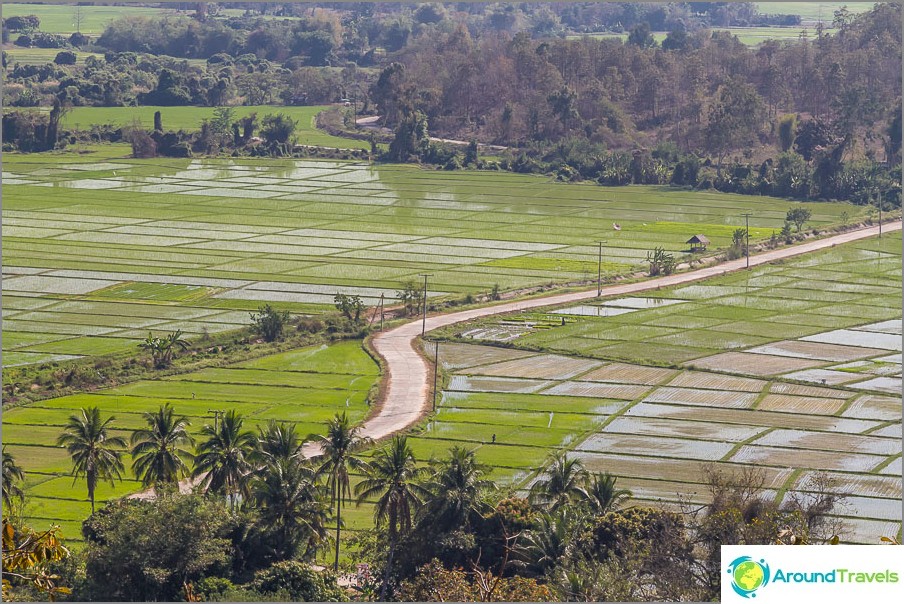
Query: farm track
x=407, y=377
x=407, y=387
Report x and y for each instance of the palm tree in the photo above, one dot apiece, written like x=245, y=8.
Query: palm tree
x=562, y=483
x=548, y=542
x=293, y=509
x=223, y=459
x=392, y=476
x=163, y=349
x=95, y=453
x=278, y=442
x=602, y=495
x=337, y=448
x=12, y=476
x=157, y=453
x=455, y=489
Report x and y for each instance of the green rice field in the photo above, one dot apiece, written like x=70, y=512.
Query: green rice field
x=751, y=36
x=59, y=18
x=190, y=118
x=799, y=298
x=794, y=368
x=812, y=11
x=99, y=252
x=306, y=386
x=40, y=56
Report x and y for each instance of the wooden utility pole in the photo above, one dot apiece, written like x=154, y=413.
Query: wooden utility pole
x=747, y=235
x=216, y=417
x=424, y=302
x=435, y=373
x=599, y=272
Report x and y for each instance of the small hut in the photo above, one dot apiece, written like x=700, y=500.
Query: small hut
x=698, y=243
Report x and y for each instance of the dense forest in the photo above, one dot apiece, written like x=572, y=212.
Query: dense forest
x=814, y=118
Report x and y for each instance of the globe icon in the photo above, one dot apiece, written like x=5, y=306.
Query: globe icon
x=748, y=575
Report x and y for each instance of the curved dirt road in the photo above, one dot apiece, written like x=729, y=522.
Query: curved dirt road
x=407, y=399
x=407, y=391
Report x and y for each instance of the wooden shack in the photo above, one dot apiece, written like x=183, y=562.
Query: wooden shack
x=698, y=243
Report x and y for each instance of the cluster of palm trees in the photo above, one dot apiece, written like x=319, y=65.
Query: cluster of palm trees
x=298, y=484
x=567, y=496
x=267, y=469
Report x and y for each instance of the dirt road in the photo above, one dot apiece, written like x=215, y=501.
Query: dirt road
x=407, y=391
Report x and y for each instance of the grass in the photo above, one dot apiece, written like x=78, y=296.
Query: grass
x=61, y=19
x=771, y=423
x=796, y=298
x=190, y=118
x=812, y=11
x=40, y=56
x=307, y=386
x=115, y=247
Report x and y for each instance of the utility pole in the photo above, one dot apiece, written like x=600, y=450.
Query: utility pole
x=879, y=205
x=435, y=373
x=216, y=417
x=747, y=235
x=424, y=321
x=599, y=272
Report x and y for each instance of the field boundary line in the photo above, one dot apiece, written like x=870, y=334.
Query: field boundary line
x=406, y=393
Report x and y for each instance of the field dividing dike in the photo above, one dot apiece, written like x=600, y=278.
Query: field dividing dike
x=727, y=457
x=890, y=460
x=767, y=389
x=406, y=390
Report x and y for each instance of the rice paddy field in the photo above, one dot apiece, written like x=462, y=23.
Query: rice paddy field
x=306, y=386
x=100, y=251
x=59, y=18
x=792, y=389
x=40, y=56
x=811, y=12
x=190, y=118
x=750, y=36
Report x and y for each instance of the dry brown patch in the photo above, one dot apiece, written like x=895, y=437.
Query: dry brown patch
x=769, y=419
x=547, y=366
x=800, y=404
x=714, y=381
x=753, y=364
x=623, y=373
x=807, y=459
x=816, y=350
x=797, y=389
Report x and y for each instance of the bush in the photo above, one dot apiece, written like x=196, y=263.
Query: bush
x=211, y=587
x=269, y=323
x=299, y=581
x=65, y=57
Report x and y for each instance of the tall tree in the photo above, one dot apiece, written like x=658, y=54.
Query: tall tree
x=158, y=456
x=735, y=117
x=562, y=483
x=393, y=478
x=13, y=475
x=223, y=459
x=336, y=459
x=455, y=489
x=293, y=510
x=602, y=494
x=279, y=442
x=96, y=453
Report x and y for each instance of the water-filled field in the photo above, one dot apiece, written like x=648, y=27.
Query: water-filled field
x=793, y=367
x=769, y=320
x=97, y=253
x=305, y=386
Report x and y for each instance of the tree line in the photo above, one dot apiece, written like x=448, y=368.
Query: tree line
x=258, y=510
